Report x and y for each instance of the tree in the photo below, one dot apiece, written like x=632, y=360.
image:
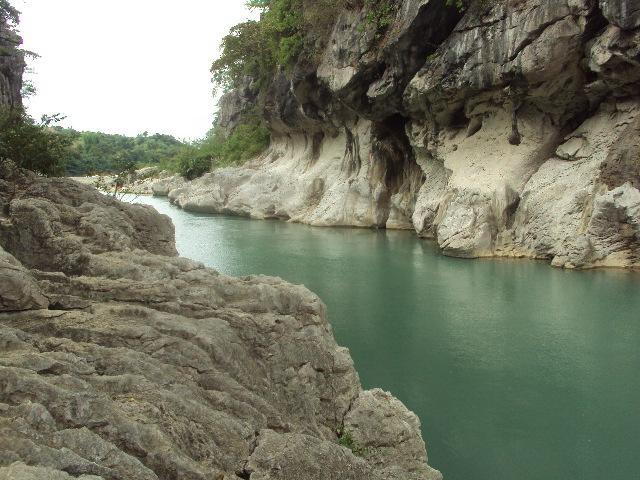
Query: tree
x=33, y=145
x=8, y=14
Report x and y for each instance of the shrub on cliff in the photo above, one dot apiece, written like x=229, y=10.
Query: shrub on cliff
x=8, y=14
x=478, y=5
x=246, y=141
x=33, y=145
x=380, y=13
x=287, y=30
x=217, y=150
x=190, y=163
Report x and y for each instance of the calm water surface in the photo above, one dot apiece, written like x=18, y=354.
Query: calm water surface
x=518, y=371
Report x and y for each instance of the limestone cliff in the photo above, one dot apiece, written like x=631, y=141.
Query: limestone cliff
x=121, y=360
x=11, y=65
x=508, y=130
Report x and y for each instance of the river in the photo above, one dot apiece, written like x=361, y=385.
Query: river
x=518, y=371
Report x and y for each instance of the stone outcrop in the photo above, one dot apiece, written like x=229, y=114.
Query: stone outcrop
x=503, y=131
x=19, y=289
x=12, y=66
x=120, y=359
x=145, y=181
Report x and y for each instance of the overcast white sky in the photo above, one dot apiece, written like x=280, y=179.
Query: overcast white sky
x=126, y=66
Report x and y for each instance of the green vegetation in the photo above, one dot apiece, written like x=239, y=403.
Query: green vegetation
x=287, y=31
x=215, y=151
x=33, y=145
x=463, y=5
x=94, y=152
x=8, y=14
x=380, y=13
x=345, y=439
x=245, y=142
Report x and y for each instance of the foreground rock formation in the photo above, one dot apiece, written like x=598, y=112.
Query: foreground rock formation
x=509, y=130
x=119, y=359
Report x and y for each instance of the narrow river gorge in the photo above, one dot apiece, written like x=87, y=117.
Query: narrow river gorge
x=516, y=370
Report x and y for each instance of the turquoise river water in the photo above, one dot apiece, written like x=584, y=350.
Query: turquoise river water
x=518, y=371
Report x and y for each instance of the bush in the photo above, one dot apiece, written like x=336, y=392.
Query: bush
x=245, y=142
x=31, y=145
x=215, y=151
x=345, y=439
x=477, y=5
x=380, y=13
x=287, y=30
x=190, y=163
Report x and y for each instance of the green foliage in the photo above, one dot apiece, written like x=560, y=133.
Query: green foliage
x=33, y=145
x=92, y=153
x=244, y=53
x=287, y=30
x=245, y=142
x=380, y=13
x=192, y=160
x=215, y=151
x=464, y=5
x=345, y=439
x=190, y=163
x=461, y=5
x=289, y=49
x=8, y=14
x=95, y=152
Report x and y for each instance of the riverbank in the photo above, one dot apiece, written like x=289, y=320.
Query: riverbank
x=212, y=197
x=144, y=181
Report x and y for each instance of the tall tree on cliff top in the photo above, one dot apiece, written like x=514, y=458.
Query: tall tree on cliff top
x=8, y=14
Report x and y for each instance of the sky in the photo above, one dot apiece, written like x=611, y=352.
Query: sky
x=126, y=66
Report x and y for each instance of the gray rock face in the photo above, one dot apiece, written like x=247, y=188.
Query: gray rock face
x=235, y=103
x=135, y=363
x=145, y=181
x=385, y=441
x=19, y=289
x=162, y=187
x=60, y=225
x=623, y=13
x=493, y=133
x=12, y=66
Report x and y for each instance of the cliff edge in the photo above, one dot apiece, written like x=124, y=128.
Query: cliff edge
x=508, y=130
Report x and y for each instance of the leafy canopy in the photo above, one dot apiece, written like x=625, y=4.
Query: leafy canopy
x=33, y=145
x=287, y=31
x=8, y=14
x=96, y=152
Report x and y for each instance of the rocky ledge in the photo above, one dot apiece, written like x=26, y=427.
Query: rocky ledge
x=509, y=130
x=144, y=181
x=121, y=360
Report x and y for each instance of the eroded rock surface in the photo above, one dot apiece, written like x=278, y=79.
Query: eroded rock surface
x=497, y=132
x=127, y=361
x=12, y=66
x=19, y=289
